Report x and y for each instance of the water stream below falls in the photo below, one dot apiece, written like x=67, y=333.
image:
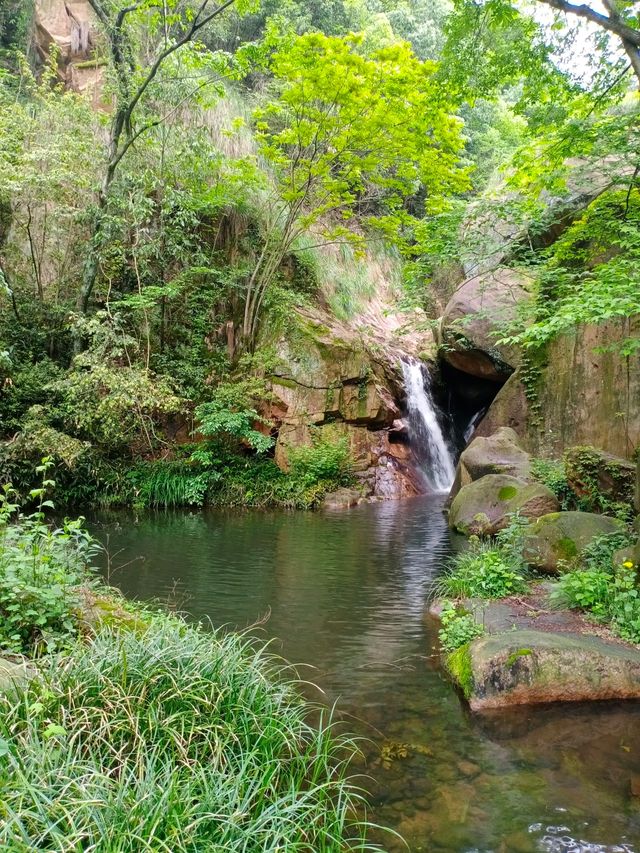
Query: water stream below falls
x=344, y=595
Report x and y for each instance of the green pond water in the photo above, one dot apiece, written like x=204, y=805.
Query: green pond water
x=344, y=595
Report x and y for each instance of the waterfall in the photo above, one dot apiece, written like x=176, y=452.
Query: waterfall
x=424, y=430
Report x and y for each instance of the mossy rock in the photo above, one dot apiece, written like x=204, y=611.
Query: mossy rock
x=483, y=507
x=557, y=539
x=594, y=474
x=499, y=453
x=108, y=611
x=528, y=667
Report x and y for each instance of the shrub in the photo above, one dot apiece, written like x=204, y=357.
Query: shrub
x=171, y=740
x=587, y=590
x=326, y=458
x=485, y=570
x=41, y=569
x=457, y=627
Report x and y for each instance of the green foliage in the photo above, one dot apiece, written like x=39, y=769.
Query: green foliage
x=590, y=275
x=230, y=414
x=349, y=132
x=172, y=738
x=41, y=568
x=325, y=459
x=598, y=554
x=552, y=474
x=170, y=484
x=485, y=570
x=585, y=589
x=457, y=627
x=607, y=591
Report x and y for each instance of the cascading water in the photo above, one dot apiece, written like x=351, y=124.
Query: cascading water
x=424, y=430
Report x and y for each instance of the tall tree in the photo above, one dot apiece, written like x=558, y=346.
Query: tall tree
x=177, y=25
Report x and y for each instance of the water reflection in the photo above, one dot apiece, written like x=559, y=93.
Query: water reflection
x=345, y=593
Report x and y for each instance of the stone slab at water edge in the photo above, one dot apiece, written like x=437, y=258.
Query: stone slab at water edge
x=528, y=667
x=531, y=654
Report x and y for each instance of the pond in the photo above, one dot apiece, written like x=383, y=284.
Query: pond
x=344, y=595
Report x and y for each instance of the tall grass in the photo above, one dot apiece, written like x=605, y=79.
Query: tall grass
x=174, y=740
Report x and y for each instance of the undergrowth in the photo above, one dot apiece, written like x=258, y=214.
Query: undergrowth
x=604, y=588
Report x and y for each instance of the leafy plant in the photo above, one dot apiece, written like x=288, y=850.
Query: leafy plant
x=231, y=414
x=485, y=570
x=457, y=627
x=327, y=458
x=41, y=569
x=552, y=474
x=589, y=589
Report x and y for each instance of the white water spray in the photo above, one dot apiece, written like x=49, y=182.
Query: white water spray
x=424, y=428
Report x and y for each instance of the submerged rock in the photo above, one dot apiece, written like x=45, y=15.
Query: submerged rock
x=499, y=453
x=559, y=538
x=483, y=507
x=342, y=499
x=527, y=667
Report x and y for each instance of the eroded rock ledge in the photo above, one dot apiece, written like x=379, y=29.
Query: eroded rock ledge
x=332, y=382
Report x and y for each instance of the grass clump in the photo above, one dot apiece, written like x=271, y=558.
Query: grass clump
x=175, y=740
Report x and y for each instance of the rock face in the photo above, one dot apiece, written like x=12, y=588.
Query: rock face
x=329, y=385
x=560, y=537
x=584, y=394
x=527, y=667
x=483, y=507
x=500, y=453
x=476, y=311
x=71, y=26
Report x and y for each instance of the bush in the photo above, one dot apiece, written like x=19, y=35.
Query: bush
x=324, y=459
x=485, y=570
x=171, y=740
x=608, y=592
x=41, y=569
x=457, y=627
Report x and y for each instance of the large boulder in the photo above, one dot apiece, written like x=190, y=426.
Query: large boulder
x=71, y=27
x=500, y=453
x=472, y=321
x=484, y=506
x=555, y=540
x=527, y=667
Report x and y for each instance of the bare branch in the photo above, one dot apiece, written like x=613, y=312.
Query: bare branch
x=618, y=27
